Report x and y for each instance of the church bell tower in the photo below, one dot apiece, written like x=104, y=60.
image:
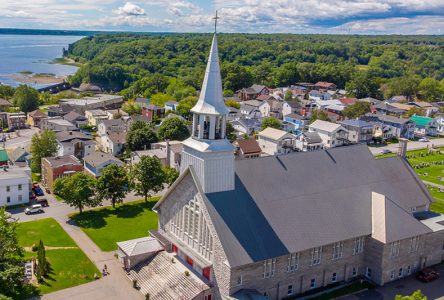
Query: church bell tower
x=208, y=150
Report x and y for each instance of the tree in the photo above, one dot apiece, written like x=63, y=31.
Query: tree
x=26, y=98
x=42, y=263
x=417, y=295
x=288, y=96
x=6, y=92
x=362, y=85
x=236, y=76
x=319, y=115
x=429, y=89
x=42, y=145
x=131, y=107
x=170, y=175
x=418, y=111
x=147, y=176
x=112, y=184
x=232, y=103
x=77, y=191
x=185, y=105
x=405, y=86
x=231, y=132
x=173, y=129
x=270, y=122
x=11, y=269
x=140, y=136
x=356, y=110
x=159, y=99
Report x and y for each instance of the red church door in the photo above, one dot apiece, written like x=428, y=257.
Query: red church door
x=189, y=261
x=206, y=272
x=174, y=248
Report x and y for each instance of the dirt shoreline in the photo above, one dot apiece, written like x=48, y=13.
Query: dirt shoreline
x=37, y=79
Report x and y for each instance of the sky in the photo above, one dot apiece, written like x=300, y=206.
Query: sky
x=251, y=16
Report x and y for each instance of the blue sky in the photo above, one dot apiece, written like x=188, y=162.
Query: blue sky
x=266, y=16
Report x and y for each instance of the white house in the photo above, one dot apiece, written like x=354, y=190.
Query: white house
x=309, y=141
x=255, y=109
x=274, y=141
x=113, y=142
x=57, y=124
x=14, y=186
x=440, y=123
x=332, y=135
x=74, y=143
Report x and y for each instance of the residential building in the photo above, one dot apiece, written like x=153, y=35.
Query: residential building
x=255, y=109
x=440, y=122
x=389, y=127
x=298, y=121
x=348, y=101
x=74, y=143
x=247, y=148
x=309, y=141
x=59, y=167
x=322, y=85
x=153, y=112
x=20, y=156
x=171, y=105
x=425, y=126
x=172, y=150
x=316, y=95
x=332, y=134
x=76, y=119
x=136, y=156
x=14, y=186
x=276, y=142
x=277, y=108
x=233, y=114
x=239, y=227
x=95, y=116
x=385, y=108
x=57, y=124
x=246, y=126
x=96, y=161
x=99, y=101
x=17, y=120
x=59, y=111
x=4, y=104
x=252, y=92
x=35, y=117
x=116, y=113
x=108, y=126
x=3, y=119
x=113, y=142
x=428, y=108
x=359, y=131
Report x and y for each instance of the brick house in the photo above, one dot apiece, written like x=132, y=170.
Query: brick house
x=59, y=167
x=35, y=117
x=152, y=111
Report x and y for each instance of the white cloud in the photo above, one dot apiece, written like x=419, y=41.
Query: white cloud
x=130, y=9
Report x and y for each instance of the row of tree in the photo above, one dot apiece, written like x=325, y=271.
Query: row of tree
x=144, y=178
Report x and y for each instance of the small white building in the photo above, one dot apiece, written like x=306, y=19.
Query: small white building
x=14, y=186
x=132, y=252
x=113, y=142
x=275, y=142
x=332, y=134
x=57, y=124
x=255, y=109
x=309, y=141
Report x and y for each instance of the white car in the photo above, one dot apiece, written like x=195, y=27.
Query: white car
x=386, y=151
x=36, y=208
x=424, y=139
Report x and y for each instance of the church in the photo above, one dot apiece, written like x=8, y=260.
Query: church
x=279, y=226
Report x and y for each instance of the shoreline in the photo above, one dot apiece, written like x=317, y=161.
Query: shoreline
x=38, y=78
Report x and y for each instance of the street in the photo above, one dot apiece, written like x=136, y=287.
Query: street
x=23, y=140
x=411, y=145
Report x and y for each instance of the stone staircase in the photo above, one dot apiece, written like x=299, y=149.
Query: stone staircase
x=163, y=280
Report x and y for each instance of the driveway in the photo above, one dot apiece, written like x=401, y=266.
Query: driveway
x=433, y=290
x=411, y=145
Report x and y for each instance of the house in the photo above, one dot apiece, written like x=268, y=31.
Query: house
x=57, y=124
x=322, y=85
x=99, y=101
x=174, y=148
x=277, y=108
x=239, y=227
x=17, y=120
x=252, y=92
x=95, y=116
x=4, y=104
x=74, y=143
x=3, y=119
x=359, y=131
x=59, y=111
x=316, y=95
x=35, y=117
x=76, y=118
x=388, y=109
x=440, y=122
x=233, y=114
x=14, y=186
x=293, y=106
x=397, y=99
x=4, y=158
x=113, y=142
x=247, y=148
x=309, y=141
x=59, y=167
x=299, y=122
x=425, y=126
x=255, y=109
x=276, y=142
x=370, y=100
x=133, y=252
x=116, y=113
x=20, y=157
x=162, y=155
x=389, y=127
x=171, y=105
x=96, y=161
x=107, y=126
x=348, y=101
x=402, y=106
x=246, y=126
x=332, y=134
x=153, y=112
x=428, y=108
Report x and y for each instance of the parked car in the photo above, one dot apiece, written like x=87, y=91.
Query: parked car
x=386, y=151
x=427, y=275
x=424, y=139
x=43, y=202
x=38, y=191
x=2, y=139
x=34, y=209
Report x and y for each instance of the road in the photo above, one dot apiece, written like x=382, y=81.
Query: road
x=23, y=140
x=411, y=145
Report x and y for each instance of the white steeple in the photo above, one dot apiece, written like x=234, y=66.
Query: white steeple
x=207, y=150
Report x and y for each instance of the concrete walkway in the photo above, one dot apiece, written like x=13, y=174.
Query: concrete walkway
x=411, y=145
x=433, y=184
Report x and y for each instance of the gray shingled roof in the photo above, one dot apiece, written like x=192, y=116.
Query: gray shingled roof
x=325, y=195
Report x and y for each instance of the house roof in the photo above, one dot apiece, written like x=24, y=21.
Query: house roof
x=64, y=136
x=265, y=97
x=325, y=126
x=117, y=137
x=421, y=121
x=356, y=123
x=257, y=87
x=112, y=122
x=273, y=133
x=248, y=145
x=73, y=116
x=140, y=246
x=257, y=220
x=4, y=102
x=18, y=153
x=3, y=155
x=37, y=114
x=312, y=137
x=61, y=122
x=385, y=118
x=370, y=100
x=171, y=102
x=97, y=158
x=97, y=112
x=59, y=161
x=324, y=84
x=422, y=104
x=401, y=106
x=295, y=116
x=254, y=103
x=348, y=101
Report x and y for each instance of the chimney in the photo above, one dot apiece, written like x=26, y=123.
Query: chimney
x=70, y=133
x=168, y=152
x=402, y=151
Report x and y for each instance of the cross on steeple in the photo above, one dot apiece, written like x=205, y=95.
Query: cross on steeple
x=215, y=22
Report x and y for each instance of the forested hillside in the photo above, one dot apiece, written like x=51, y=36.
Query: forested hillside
x=379, y=66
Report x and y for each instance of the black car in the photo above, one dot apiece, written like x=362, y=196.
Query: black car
x=43, y=202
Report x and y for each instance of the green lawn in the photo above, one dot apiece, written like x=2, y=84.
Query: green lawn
x=69, y=267
x=106, y=226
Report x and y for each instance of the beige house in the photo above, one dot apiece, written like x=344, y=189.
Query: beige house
x=275, y=142
x=95, y=116
x=332, y=134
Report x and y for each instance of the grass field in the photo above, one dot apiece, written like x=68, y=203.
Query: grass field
x=69, y=266
x=106, y=226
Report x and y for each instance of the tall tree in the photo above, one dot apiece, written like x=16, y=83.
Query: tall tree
x=362, y=85
x=417, y=295
x=42, y=263
x=43, y=144
x=147, y=176
x=11, y=269
x=112, y=185
x=356, y=110
x=429, y=89
x=140, y=136
x=77, y=191
x=270, y=122
x=319, y=115
x=185, y=105
x=6, y=92
x=26, y=98
x=170, y=175
x=173, y=129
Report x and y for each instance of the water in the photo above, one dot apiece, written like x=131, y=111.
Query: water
x=33, y=53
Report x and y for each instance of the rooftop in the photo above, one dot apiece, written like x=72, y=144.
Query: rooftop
x=273, y=133
x=59, y=161
x=325, y=126
x=421, y=121
x=98, y=158
x=248, y=146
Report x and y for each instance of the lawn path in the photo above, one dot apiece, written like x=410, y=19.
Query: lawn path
x=433, y=184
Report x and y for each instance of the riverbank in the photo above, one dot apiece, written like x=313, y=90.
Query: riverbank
x=66, y=61
x=41, y=78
